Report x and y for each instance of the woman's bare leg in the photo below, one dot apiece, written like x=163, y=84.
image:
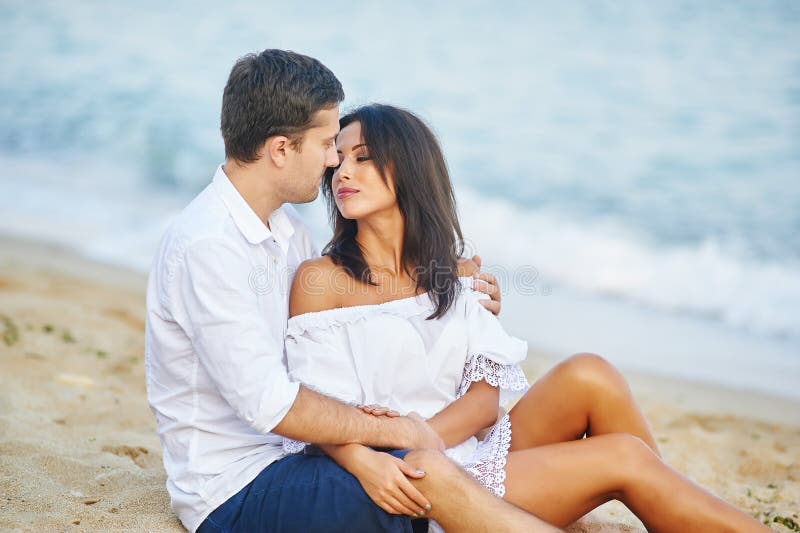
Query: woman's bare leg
x=562, y=482
x=583, y=395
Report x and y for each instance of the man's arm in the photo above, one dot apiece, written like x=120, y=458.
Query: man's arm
x=316, y=418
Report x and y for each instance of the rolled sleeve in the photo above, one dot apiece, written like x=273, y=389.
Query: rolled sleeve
x=222, y=316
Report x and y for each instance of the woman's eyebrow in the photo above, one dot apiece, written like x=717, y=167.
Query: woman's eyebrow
x=353, y=148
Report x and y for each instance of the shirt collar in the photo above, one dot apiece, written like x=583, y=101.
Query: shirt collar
x=251, y=226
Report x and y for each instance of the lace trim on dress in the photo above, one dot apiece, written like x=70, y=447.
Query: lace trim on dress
x=293, y=446
x=488, y=463
x=510, y=379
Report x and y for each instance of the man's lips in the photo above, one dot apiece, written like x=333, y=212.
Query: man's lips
x=344, y=192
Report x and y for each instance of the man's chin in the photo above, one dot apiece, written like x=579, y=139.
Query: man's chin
x=310, y=197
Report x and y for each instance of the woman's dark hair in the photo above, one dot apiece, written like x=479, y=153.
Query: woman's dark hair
x=403, y=146
x=275, y=92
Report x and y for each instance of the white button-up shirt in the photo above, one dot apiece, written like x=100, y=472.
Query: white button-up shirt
x=217, y=308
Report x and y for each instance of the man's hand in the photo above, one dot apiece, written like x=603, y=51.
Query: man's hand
x=423, y=435
x=487, y=284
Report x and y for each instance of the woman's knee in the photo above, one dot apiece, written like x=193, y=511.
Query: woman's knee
x=592, y=370
x=632, y=458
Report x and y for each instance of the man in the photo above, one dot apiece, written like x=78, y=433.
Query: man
x=217, y=308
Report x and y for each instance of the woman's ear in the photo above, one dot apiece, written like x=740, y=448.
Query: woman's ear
x=275, y=148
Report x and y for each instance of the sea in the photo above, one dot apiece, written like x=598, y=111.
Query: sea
x=630, y=171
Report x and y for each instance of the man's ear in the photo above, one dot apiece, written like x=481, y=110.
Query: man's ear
x=276, y=149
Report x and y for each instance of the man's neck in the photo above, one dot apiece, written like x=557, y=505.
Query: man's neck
x=251, y=184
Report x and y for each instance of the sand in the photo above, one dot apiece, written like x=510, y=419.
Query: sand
x=79, y=452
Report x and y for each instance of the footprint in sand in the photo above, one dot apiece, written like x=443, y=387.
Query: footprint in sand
x=138, y=454
x=126, y=317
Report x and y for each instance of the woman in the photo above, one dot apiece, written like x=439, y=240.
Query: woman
x=388, y=317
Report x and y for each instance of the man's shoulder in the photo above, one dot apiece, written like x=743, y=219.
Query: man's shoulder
x=205, y=219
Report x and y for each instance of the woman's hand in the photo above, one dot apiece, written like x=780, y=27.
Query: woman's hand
x=385, y=479
x=378, y=410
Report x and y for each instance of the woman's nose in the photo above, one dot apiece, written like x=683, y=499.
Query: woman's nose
x=343, y=172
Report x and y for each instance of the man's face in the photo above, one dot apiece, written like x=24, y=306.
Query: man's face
x=309, y=161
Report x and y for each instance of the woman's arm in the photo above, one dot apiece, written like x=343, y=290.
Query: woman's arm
x=473, y=412
x=383, y=477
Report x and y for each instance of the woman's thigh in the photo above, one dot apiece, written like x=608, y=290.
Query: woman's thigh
x=553, y=410
x=561, y=482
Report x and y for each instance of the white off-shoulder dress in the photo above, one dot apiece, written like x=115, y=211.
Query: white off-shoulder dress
x=389, y=354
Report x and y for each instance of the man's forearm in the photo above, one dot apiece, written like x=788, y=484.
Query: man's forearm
x=320, y=419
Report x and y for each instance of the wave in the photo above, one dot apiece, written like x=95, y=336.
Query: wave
x=611, y=258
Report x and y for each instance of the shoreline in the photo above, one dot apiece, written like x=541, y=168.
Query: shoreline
x=78, y=447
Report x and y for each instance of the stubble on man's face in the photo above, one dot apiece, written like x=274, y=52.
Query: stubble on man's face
x=316, y=152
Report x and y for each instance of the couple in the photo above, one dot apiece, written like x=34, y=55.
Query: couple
x=350, y=397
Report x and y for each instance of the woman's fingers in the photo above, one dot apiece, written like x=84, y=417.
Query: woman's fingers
x=402, y=505
x=378, y=410
x=386, y=507
x=415, y=498
x=410, y=490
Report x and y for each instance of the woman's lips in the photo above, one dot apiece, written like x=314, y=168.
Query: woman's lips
x=344, y=192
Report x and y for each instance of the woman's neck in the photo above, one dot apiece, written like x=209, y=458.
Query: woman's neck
x=380, y=237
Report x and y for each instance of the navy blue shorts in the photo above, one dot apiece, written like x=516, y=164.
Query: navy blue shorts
x=306, y=493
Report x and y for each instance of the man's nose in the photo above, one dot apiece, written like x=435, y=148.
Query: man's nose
x=331, y=157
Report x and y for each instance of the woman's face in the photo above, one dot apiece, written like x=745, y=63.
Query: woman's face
x=357, y=185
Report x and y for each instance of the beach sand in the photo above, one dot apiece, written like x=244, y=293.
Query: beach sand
x=78, y=448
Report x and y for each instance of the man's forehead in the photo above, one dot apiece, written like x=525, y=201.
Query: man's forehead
x=327, y=121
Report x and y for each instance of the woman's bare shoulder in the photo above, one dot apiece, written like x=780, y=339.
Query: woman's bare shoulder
x=314, y=287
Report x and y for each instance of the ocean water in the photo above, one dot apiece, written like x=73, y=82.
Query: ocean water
x=630, y=171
